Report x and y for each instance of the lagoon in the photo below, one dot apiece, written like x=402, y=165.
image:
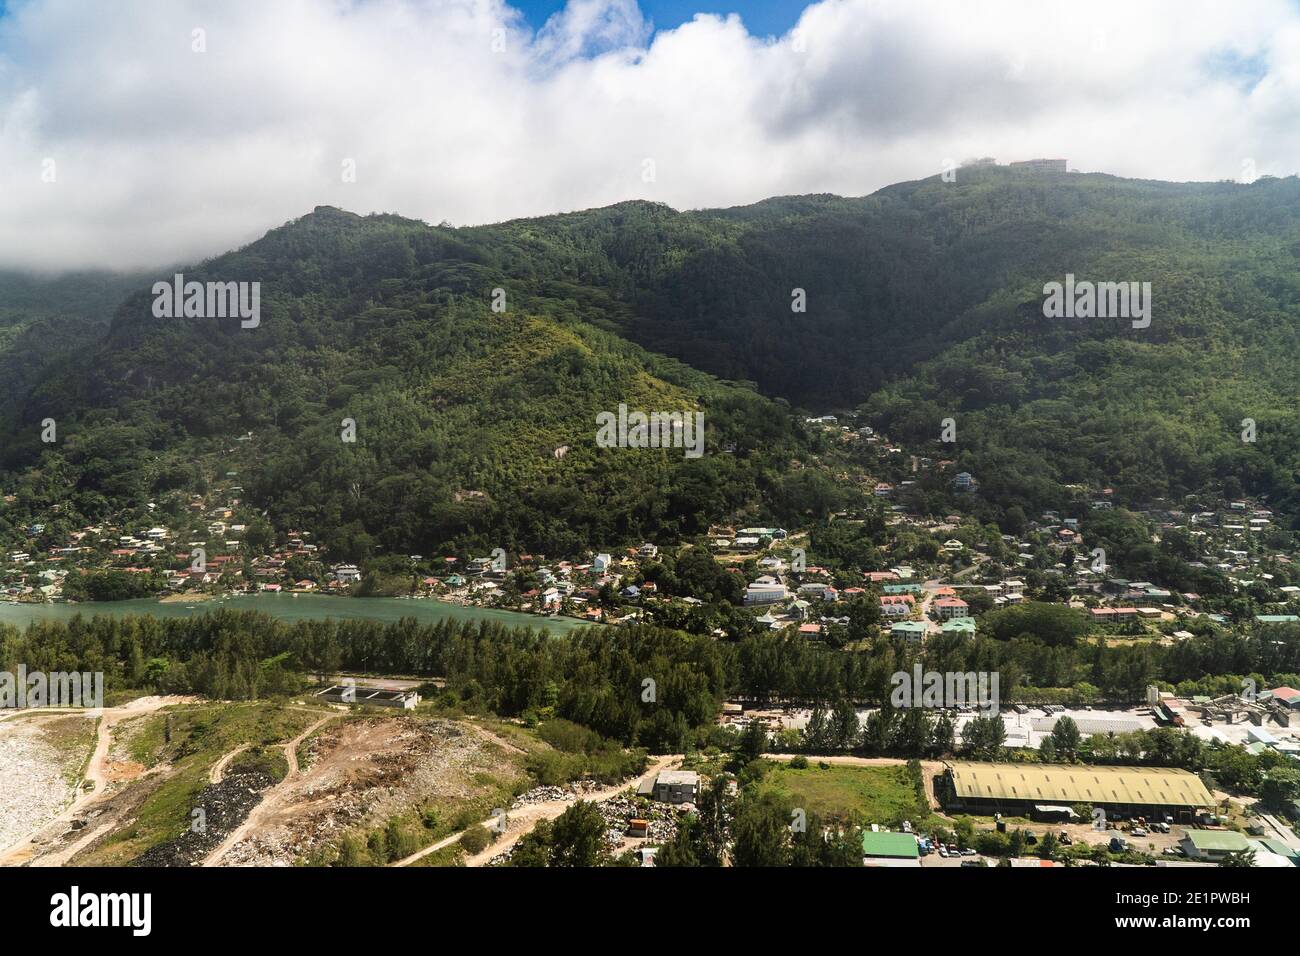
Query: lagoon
x=289, y=607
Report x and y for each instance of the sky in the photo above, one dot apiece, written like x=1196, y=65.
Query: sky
x=761, y=17
x=144, y=133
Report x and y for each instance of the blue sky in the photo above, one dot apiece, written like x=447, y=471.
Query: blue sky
x=761, y=17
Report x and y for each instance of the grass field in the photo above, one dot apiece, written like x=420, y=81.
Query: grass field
x=884, y=795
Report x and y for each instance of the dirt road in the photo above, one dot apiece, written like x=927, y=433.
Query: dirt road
x=218, y=771
x=97, y=774
x=500, y=741
x=522, y=820
x=272, y=798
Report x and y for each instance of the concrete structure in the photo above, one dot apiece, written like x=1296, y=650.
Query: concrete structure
x=908, y=630
x=346, y=573
x=948, y=608
x=676, y=786
x=377, y=696
x=766, y=590
x=1287, y=696
x=1041, y=165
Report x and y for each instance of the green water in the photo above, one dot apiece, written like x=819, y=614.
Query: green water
x=288, y=607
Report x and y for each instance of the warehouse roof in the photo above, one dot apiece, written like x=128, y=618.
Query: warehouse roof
x=1090, y=725
x=1142, y=786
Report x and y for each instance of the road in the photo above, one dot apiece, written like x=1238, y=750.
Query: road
x=96, y=774
x=218, y=771
x=1281, y=831
x=272, y=797
x=522, y=820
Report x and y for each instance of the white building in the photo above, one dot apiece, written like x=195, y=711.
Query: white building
x=766, y=590
x=346, y=573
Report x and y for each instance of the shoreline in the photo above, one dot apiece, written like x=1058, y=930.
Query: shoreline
x=194, y=598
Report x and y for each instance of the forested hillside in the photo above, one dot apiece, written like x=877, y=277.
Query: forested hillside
x=924, y=302
x=470, y=425
x=46, y=320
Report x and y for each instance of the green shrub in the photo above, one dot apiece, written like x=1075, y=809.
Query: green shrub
x=475, y=839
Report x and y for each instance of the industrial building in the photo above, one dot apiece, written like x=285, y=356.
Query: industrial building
x=1213, y=845
x=1017, y=789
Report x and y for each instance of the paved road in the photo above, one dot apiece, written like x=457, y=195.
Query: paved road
x=1282, y=832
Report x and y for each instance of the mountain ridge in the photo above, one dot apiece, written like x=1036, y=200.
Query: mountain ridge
x=923, y=303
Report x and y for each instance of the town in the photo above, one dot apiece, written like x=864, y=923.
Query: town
x=1027, y=775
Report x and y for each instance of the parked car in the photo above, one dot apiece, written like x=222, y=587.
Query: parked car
x=1139, y=831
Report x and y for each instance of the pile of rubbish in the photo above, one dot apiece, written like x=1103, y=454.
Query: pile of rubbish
x=578, y=788
x=661, y=817
x=221, y=807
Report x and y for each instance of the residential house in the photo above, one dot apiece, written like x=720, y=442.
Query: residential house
x=948, y=608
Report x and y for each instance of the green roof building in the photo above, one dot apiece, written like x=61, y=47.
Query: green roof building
x=890, y=846
x=1213, y=844
x=902, y=589
x=911, y=630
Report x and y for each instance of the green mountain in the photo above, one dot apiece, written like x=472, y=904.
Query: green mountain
x=471, y=426
x=45, y=320
x=924, y=301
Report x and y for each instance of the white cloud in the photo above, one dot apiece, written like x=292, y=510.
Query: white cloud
x=454, y=109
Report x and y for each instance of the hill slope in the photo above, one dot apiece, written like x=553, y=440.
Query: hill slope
x=45, y=321
x=470, y=425
x=924, y=302
x=926, y=298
